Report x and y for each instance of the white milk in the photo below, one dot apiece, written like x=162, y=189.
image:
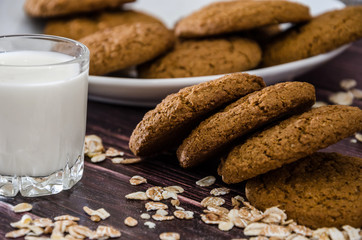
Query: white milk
x=42, y=113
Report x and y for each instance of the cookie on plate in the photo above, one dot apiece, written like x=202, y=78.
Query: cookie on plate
x=321, y=190
x=126, y=45
x=322, y=34
x=290, y=140
x=243, y=116
x=234, y=16
x=192, y=58
x=169, y=122
x=54, y=8
x=78, y=27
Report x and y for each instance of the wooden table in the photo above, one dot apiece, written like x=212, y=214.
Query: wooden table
x=106, y=184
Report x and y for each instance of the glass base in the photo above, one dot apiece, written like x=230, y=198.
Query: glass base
x=41, y=186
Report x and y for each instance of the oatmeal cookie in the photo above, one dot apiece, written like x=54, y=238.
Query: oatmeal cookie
x=322, y=34
x=78, y=27
x=126, y=45
x=234, y=16
x=321, y=190
x=290, y=140
x=243, y=116
x=54, y=8
x=171, y=120
x=204, y=57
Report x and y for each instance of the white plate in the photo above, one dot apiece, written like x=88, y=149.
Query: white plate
x=149, y=92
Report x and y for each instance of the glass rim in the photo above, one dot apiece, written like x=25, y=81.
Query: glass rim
x=84, y=56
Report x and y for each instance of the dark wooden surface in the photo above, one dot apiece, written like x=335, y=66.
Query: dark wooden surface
x=105, y=184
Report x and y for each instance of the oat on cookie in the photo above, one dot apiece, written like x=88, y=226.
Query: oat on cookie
x=126, y=45
x=204, y=57
x=171, y=120
x=54, y=8
x=235, y=16
x=322, y=34
x=321, y=190
x=247, y=114
x=290, y=140
x=78, y=27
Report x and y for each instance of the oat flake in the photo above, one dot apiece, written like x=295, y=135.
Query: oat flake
x=169, y=236
x=22, y=207
x=206, y=181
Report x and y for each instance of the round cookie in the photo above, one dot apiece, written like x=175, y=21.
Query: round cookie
x=204, y=57
x=126, y=45
x=169, y=122
x=54, y=8
x=322, y=34
x=78, y=27
x=290, y=140
x=234, y=16
x=247, y=114
x=321, y=190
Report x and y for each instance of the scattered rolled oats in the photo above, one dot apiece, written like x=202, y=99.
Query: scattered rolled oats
x=254, y=229
x=79, y=231
x=219, y=191
x=252, y=215
x=335, y=234
x=353, y=233
x=179, y=208
x=155, y=193
x=17, y=233
x=216, y=209
x=22, y=207
x=102, y=213
x=36, y=238
x=145, y=216
x=169, y=236
x=295, y=236
x=95, y=218
x=174, y=189
x=98, y=158
x=120, y=160
x=225, y=226
x=93, y=145
x=183, y=214
x=341, y=98
x=357, y=93
x=161, y=212
x=353, y=140
x=112, y=152
x=130, y=221
x=238, y=221
x=273, y=230
x=274, y=215
x=211, y=218
x=299, y=229
x=66, y=217
x=35, y=230
x=137, y=180
x=24, y=222
x=175, y=202
x=167, y=195
x=348, y=84
x=43, y=222
x=150, y=224
x=155, y=206
x=358, y=136
x=107, y=231
x=206, y=181
x=212, y=201
x=158, y=217
x=137, y=196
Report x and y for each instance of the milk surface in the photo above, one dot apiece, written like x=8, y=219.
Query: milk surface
x=42, y=112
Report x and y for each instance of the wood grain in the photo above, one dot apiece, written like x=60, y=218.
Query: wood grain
x=105, y=184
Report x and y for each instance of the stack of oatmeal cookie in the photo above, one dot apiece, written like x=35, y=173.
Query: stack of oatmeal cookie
x=222, y=37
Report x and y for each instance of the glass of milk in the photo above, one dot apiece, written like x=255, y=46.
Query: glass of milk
x=43, y=106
